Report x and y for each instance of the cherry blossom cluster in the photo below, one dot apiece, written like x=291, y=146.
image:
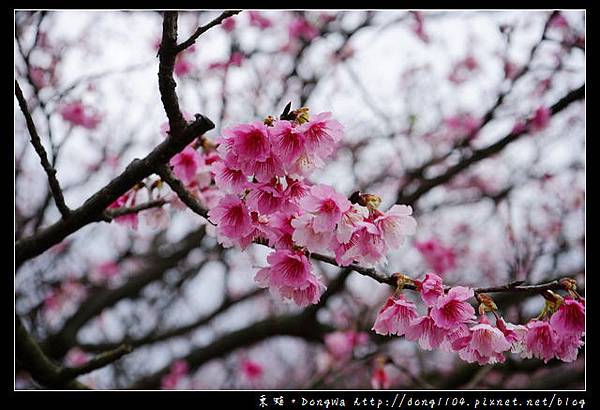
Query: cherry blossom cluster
x=262, y=171
x=450, y=324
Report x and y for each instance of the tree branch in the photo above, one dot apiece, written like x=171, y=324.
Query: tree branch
x=103, y=359
x=186, y=197
x=39, y=149
x=116, y=212
x=187, y=43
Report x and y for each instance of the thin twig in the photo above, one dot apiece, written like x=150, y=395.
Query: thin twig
x=39, y=149
x=116, y=212
x=183, y=194
x=187, y=43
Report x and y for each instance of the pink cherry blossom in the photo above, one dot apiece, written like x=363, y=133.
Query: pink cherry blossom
x=228, y=24
x=305, y=234
x=229, y=179
x=486, y=345
x=541, y=340
x=300, y=28
x=286, y=268
x=307, y=294
x=249, y=142
x=380, y=378
x=177, y=372
x=395, y=316
x=78, y=114
x=185, y=164
x=265, y=198
x=452, y=309
x=366, y=247
x=76, y=357
x=515, y=335
x=349, y=222
x=126, y=200
x=236, y=59
x=288, y=142
x=341, y=344
x=396, y=224
x=541, y=119
x=258, y=20
x=251, y=370
x=232, y=217
x=108, y=269
x=424, y=329
x=327, y=205
x=431, y=289
x=280, y=234
x=567, y=347
x=321, y=134
x=569, y=319
x=440, y=258
x=264, y=170
x=182, y=66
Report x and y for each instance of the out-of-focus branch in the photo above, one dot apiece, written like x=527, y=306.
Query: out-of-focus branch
x=483, y=153
x=39, y=149
x=103, y=359
x=31, y=357
x=187, y=43
x=179, y=331
x=57, y=344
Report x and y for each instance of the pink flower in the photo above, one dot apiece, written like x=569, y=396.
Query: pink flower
x=185, y=164
x=439, y=257
x=463, y=126
x=424, y=329
x=229, y=179
x=380, y=378
x=519, y=127
x=251, y=370
x=300, y=28
x=569, y=320
x=108, y=269
x=296, y=190
x=451, y=310
x=567, y=347
x=349, y=223
x=258, y=20
x=182, y=67
x=76, y=357
x=327, y=205
x=232, y=217
x=280, y=234
x=178, y=371
x=286, y=268
x=396, y=224
x=288, y=142
x=126, y=200
x=431, y=289
x=541, y=340
x=342, y=344
x=305, y=295
x=249, y=142
x=486, y=345
x=264, y=198
x=228, y=24
x=515, y=335
x=263, y=171
x=236, y=59
x=541, y=118
x=366, y=247
x=78, y=114
x=395, y=316
x=321, y=134
x=306, y=235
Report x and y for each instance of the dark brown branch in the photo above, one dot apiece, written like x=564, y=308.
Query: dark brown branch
x=93, y=209
x=103, y=359
x=186, y=197
x=483, y=153
x=39, y=149
x=179, y=331
x=116, y=212
x=166, y=82
x=187, y=43
x=57, y=344
x=31, y=358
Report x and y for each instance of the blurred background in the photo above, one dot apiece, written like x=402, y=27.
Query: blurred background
x=418, y=93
